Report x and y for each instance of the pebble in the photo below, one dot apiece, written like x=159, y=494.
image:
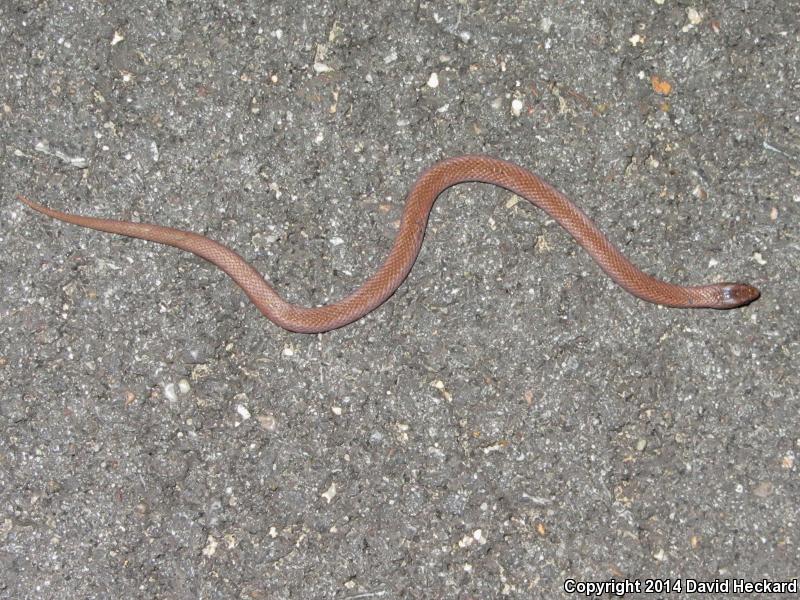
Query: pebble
x=243, y=412
x=330, y=493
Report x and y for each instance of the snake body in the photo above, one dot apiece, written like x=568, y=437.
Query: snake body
x=383, y=283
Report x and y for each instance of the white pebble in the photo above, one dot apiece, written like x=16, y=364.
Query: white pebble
x=169, y=392
x=516, y=107
x=695, y=18
x=211, y=546
x=330, y=493
x=243, y=412
x=433, y=80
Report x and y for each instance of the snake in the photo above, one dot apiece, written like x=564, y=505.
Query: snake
x=405, y=249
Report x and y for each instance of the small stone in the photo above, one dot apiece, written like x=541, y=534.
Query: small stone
x=169, y=392
x=267, y=422
x=788, y=461
x=211, y=546
x=695, y=18
x=330, y=493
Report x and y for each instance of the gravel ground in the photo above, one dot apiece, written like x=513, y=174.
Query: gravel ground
x=510, y=419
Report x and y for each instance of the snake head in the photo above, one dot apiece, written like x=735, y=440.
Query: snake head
x=733, y=295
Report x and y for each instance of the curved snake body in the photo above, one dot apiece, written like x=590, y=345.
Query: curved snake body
x=383, y=283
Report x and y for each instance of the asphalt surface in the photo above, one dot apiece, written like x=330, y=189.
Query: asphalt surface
x=509, y=420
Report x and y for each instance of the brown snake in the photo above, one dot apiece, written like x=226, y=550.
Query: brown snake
x=381, y=285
